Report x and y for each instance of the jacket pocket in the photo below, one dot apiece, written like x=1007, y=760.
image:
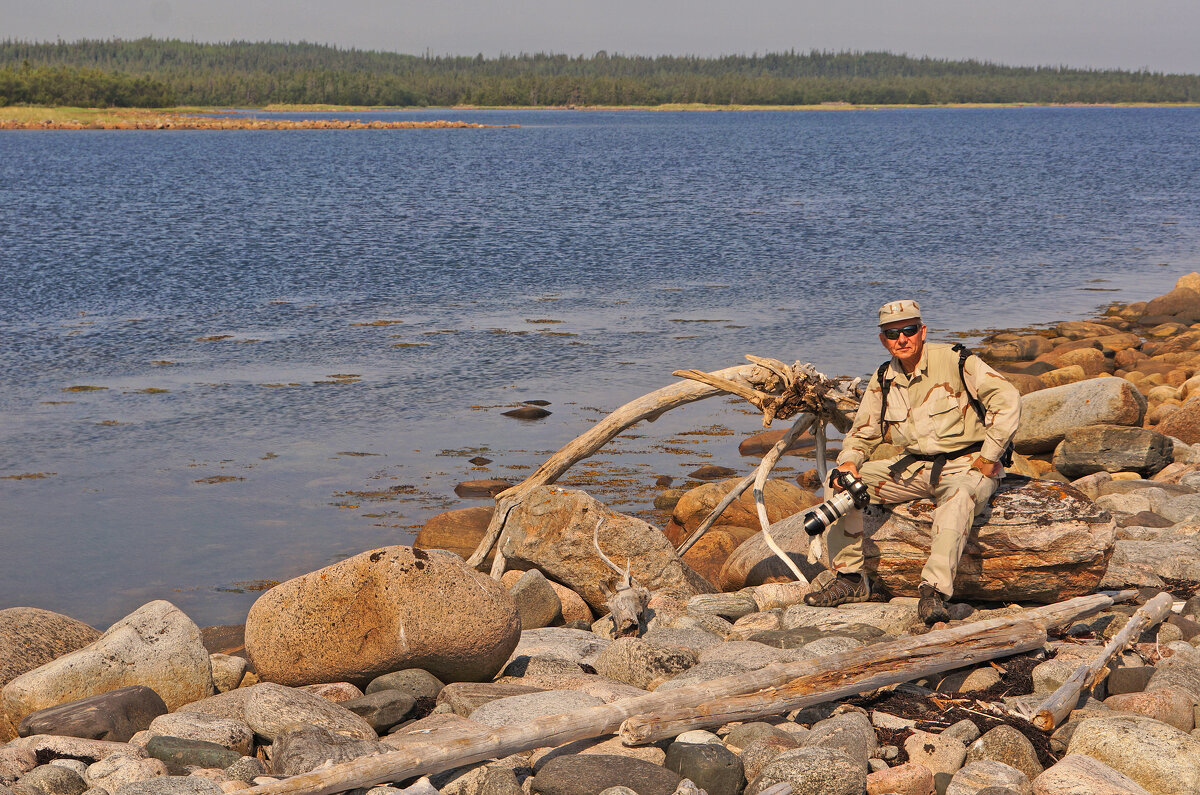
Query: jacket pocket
x=946, y=417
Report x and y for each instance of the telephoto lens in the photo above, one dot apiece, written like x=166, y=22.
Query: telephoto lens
x=853, y=495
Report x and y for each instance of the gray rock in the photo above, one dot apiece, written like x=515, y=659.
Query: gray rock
x=516, y=710
x=742, y=735
x=587, y=774
x=702, y=672
x=712, y=767
x=642, y=664
x=729, y=606
x=381, y=709
x=416, y=682
x=849, y=732
x=577, y=645
x=230, y=706
x=301, y=748
x=1006, y=744
x=1111, y=448
x=1129, y=679
x=1047, y=414
x=172, y=785
x=813, y=771
x=977, y=776
x=116, y=715
x=232, y=734
x=228, y=670
x=246, y=769
x=1158, y=757
x=1180, y=508
x=1175, y=559
x=270, y=708
x=537, y=603
x=764, y=750
x=76, y=765
x=48, y=746
x=51, y=780
x=747, y=653
x=1181, y=673
x=116, y=772
x=1078, y=774
x=177, y=752
x=500, y=781
x=14, y=763
x=939, y=753
x=156, y=646
x=694, y=638
x=964, y=730
x=823, y=647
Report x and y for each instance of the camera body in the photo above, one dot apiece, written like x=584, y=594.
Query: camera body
x=853, y=494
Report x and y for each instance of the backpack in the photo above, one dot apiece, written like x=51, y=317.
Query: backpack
x=976, y=403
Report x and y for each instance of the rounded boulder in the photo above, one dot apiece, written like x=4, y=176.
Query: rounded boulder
x=380, y=611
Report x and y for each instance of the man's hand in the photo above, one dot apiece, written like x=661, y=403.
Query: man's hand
x=990, y=469
x=850, y=467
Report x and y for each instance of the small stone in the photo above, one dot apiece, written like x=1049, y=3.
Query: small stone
x=964, y=730
x=270, y=708
x=590, y=773
x=300, y=748
x=713, y=767
x=1129, y=680
x=50, y=780
x=516, y=710
x=537, y=603
x=817, y=770
x=246, y=769
x=479, y=461
x=1006, y=744
x=177, y=752
x=849, y=732
x=382, y=709
x=642, y=664
x=116, y=771
x=414, y=681
x=1078, y=774
x=712, y=472
x=232, y=734
x=937, y=752
x=975, y=777
x=664, y=481
x=744, y=734
x=337, y=692
x=480, y=489
x=1170, y=705
x=762, y=751
x=172, y=785
x=906, y=779
x=527, y=413
x=228, y=671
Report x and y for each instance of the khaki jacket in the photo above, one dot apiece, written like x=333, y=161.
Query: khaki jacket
x=929, y=413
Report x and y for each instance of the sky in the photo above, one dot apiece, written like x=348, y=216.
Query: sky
x=1160, y=35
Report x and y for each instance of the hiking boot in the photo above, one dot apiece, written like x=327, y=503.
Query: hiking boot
x=930, y=607
x=841, y=589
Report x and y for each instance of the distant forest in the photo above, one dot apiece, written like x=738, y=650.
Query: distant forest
x=160, y=73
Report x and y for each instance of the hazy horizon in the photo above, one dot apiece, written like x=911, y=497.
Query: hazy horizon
x=1156, y=35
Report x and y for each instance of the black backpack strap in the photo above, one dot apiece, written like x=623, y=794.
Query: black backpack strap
x=963, y=354
x=884, y=386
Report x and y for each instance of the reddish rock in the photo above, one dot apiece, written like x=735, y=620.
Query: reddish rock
x=1182, y=302
x=782, y=499
x=709, y=554
x=1167, y=704
x=458, y=531
x=527, y=413
x=760, y=443
x=1091, y=360
x=906, y=779
x=1183, y=423
x=712, y=472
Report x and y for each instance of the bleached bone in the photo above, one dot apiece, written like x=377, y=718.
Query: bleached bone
x=629, y=601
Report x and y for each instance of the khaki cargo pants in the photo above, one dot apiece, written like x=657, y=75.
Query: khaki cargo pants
x=961, y=493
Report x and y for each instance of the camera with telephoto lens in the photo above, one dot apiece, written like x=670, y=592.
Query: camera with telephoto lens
x=853, y=495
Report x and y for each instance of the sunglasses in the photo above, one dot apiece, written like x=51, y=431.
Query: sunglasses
x=908, y=331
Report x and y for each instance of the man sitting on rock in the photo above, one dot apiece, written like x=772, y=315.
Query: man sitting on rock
x=953, y=417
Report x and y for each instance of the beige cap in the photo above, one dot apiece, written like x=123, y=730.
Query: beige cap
x=899, y=310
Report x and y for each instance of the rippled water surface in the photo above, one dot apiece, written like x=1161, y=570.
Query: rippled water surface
x=237, y=356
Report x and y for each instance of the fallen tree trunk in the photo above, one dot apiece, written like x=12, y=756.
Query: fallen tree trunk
x=425, y=757
x=844, y=675
x=1055, y=709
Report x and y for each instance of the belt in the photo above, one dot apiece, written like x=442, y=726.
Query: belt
x=939, y=460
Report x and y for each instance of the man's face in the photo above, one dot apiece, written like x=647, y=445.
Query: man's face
x=906, y=347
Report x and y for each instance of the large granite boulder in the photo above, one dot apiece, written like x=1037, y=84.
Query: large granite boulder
x=156, y=646
x=381, y=611
x=552, y=530
x=1047, y=415
x=1184, y=422
x=1112, y=448
x=1039, y=541
x=30, y=637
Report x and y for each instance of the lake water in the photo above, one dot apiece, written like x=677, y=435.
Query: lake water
x=258, y=420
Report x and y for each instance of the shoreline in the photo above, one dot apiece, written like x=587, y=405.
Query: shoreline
x=33, y=117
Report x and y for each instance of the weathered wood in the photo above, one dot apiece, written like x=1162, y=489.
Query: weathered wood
x=1055, y=709
x=760, y=480
x=647, y=407
x=425, y=757
x=715, y=513
x=841, y=676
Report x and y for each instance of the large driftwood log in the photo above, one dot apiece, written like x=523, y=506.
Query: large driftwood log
x=1054, y=710
x=843, y=675
x=425, y=757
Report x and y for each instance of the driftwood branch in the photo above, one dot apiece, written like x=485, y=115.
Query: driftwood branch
x=716, y=512
x=760, y=481
x=1055, y=709
x=422, y=757
x=843, y=675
